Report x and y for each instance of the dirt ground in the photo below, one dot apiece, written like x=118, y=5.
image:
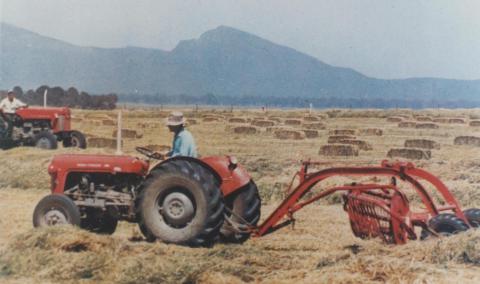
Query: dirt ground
x=321, y=247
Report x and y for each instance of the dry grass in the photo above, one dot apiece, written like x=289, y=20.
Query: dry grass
x=320, y=249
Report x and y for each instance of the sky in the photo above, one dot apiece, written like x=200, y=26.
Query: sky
x=379, y=38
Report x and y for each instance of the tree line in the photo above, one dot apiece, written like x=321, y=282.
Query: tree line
x=58, y=97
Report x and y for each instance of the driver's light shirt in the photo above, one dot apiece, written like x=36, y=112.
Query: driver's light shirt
x=10, y=106
x=183, y=145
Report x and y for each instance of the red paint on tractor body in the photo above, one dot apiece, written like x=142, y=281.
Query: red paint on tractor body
x=59, y=118
x=233, y=176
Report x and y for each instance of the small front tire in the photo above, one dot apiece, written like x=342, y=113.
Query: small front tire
x=55, y=210
x=75, y=139
x=45, y=140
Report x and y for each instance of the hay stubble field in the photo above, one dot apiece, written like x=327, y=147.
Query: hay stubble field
x=321, y=247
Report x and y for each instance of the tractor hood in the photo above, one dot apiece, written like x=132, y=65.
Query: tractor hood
x=97, y=163
x=43, y=113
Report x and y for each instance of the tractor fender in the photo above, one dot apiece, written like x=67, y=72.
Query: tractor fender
x=228, y=173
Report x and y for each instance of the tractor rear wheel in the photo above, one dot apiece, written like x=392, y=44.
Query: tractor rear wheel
x=45, y=140
x=75, y=139
x=55, y=209
x=99, y=222
x=241, y=206
x=445, y=224
x=473, y=216
x=181, y=203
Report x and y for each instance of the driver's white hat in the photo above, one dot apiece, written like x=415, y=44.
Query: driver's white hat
x=176, y=118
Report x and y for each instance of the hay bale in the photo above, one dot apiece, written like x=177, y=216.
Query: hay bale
x=263, y=123
x=456, y=121
x=426, y=126
x=371, y=132
x=423, y=118
x=315, y=125
x=128, y=133
x=467, y=140
x=338, y=150
x=273, y=128
x=245, y=130
x=440, y=120
x=275, y=118
x=416, y=154
x=109, y=122
x=94, y=122
x=310, y=133
x=311, y=118
x=475, y=123
x=407, y=124
x=211, y=119
x=149, y=125
x=422, y=143
x=158, y=148
x=362, y=145
x=289, y=134
x=237, y=120
x=339, y=138
x=342, y=132
x=293, y=122
x=394, y=119
x=100, y=142
x=76, y=119
x=191, y=121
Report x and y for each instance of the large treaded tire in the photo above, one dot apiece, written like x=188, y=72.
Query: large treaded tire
x=473, y=216
x=75, y=139
x=99, y=222
x=445, y=224
x=45, y=140
x=244, y=203
x=193, y=181
x=56, y=205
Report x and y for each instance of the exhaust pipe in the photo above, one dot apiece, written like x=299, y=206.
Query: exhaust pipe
x=45, y=98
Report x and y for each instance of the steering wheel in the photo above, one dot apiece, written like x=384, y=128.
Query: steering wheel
x=149, y=153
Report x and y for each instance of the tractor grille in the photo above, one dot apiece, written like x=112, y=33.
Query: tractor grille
x=369, y=214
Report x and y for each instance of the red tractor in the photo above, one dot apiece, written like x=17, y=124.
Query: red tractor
x=43, y=128
x=198, y=201
x=180, y=200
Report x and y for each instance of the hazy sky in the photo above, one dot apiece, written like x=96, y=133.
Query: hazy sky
x=380, y=38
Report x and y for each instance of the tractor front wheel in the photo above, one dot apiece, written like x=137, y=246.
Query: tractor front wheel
x=242, y=209
x=45, y=140
x=181, y=203
x=55, y=210
x=75, y=139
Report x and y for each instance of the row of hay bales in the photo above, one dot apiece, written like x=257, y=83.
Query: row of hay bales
x=417, y=149
x=343, y=142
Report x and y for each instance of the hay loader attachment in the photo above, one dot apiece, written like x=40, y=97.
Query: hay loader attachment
x=377, y=210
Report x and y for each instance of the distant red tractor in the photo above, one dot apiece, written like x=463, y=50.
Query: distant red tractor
x=43, y=128
x=180, y=200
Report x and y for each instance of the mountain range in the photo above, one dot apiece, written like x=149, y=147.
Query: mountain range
x=224, y=61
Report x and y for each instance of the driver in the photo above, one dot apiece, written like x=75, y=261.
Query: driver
x=9, y=105
x=183, y=142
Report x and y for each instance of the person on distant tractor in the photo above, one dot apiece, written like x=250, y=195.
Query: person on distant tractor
x=183, y=142
x=9, y=105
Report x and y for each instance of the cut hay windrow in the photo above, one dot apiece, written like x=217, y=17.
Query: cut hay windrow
x=342, y=132
x=362, y=145
x=339, y=138
x=407, y=124
x=421, y=143
x=309, y=133
x=371, y=132
x=248, y=130
x=467, y=140
x=426, y=126
x=237, y=120
x=263, y=123
x=311, y=118
x=289, y=134
x=338, y=150
x=275, y=118
x=211, y=119
x=128, y=133
x=293, y=122
x=315, y=125
x=408, y=153
x=100, y=142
